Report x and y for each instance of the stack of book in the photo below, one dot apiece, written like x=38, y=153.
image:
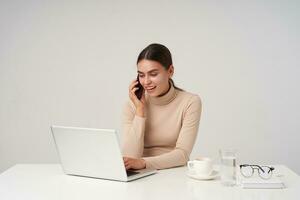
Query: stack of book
x=257, y=183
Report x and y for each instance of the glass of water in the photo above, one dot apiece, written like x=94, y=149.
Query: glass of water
x=228, y=167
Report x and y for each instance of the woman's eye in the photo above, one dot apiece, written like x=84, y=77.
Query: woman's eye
x=141, y=76
x=153, y=74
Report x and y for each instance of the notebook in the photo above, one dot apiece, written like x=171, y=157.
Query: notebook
x=259, y=183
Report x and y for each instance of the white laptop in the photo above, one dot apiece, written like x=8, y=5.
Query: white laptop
x=93, y=153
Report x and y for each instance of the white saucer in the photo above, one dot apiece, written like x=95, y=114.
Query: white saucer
x=213, y=175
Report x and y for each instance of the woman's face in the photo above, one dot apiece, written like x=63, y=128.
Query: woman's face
x=154, y=77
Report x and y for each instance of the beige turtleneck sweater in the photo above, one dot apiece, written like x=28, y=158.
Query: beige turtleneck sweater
x=165, y=137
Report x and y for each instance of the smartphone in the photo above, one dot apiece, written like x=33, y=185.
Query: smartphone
x=140, y=91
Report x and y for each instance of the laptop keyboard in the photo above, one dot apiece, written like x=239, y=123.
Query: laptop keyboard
x=131, y=173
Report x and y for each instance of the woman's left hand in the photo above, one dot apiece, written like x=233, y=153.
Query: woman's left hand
x=133, y=163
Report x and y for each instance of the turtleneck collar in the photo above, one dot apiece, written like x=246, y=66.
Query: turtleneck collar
x=166, y=98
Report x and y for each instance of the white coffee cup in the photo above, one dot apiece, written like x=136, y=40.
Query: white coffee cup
x=201, y=166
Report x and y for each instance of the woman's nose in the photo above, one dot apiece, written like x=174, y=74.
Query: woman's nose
x=147, y=80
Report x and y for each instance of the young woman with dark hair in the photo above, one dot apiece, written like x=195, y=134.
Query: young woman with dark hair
x=160, y=128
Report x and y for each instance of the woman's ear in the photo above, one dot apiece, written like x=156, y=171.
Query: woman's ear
x=171, y=71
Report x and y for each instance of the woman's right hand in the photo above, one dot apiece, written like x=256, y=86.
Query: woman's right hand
x=138, y=103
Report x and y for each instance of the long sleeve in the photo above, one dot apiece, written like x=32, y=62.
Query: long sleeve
x=185, y=142
x=133, y=128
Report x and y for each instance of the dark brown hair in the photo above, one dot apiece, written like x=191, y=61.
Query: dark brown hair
x=158, y=53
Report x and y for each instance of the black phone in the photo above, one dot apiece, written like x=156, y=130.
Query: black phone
x=139, y=92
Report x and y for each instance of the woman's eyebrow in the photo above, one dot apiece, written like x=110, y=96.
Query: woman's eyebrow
x=153, y=70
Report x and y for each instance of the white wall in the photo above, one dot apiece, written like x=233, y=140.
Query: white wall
x=70, y=63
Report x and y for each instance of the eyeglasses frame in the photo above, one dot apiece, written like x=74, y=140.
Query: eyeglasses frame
x=257, y=167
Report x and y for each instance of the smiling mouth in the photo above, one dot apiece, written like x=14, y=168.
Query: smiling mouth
x=150, y=88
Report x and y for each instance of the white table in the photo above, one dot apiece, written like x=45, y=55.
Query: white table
x=47, y=181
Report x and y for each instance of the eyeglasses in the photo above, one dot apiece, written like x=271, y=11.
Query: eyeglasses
x=265, y=172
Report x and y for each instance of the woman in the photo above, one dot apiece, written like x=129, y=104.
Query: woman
x=160, y=129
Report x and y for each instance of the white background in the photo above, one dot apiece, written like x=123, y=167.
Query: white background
x=70, y=63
